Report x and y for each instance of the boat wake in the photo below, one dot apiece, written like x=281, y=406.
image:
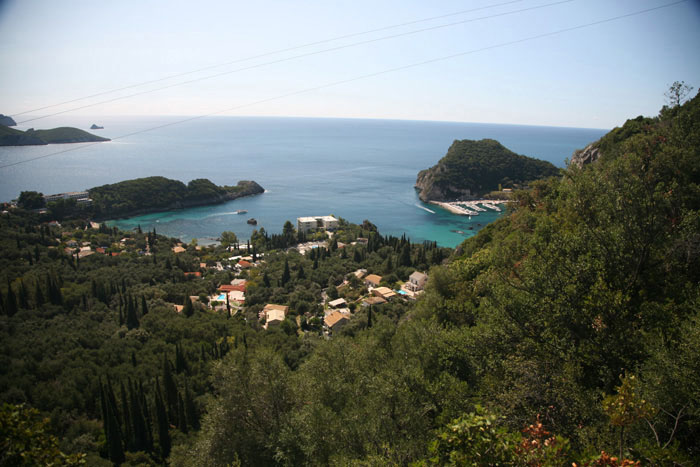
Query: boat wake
x=424, y=208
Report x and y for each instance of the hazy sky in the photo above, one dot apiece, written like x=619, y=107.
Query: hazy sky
x=54, y=51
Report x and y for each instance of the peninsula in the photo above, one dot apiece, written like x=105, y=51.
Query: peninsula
x=136, y=197
x=156, y=194
x=472, y=169
x=32, y=137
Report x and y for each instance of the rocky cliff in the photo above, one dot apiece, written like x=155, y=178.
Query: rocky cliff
x=471, y=169
x=587, y=155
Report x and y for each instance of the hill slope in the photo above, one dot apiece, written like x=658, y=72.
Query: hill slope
x=473, y=168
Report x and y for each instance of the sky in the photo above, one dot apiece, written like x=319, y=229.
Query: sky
x=591, y=77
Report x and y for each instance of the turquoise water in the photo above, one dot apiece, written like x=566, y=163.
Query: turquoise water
x=352, y=168
x=221, y=298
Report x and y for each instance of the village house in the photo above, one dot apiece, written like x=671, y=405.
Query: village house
x=373, y=280
x=274, y=314
x=369, y=301
x=179, y=249
x=385, y=292
x=416, y=281
x=336, y=320
x=338, y=303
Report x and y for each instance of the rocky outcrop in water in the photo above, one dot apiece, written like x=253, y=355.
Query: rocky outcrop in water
x=471, y=169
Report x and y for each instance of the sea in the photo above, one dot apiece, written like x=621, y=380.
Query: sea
x=356, y=169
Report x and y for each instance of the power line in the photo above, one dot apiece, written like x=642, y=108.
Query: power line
x=361, y=77
x=265, y=54
x=294, y=57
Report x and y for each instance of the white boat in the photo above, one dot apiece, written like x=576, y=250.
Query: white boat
x=241, y=211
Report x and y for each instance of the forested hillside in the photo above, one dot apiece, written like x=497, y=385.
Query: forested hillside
x=566, y=332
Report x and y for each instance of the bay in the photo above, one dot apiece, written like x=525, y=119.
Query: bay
x=353, y=168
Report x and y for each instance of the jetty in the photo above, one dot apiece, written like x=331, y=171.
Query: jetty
x=470, y=208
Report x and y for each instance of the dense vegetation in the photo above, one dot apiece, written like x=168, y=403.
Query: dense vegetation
x=138, y=196
x=13, y=137
x=565, y=332
x=160, y=193
x=474, y=168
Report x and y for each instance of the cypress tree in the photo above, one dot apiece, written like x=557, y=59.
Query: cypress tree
x=266, y=279
x=162, y=417
x=132, y=320
x=191, y=409
x=37, y=255
x=121, y=317
x=115, y=448
x=170, y=389
x=300, y=273
x=369, y=317
x=285, y=274
x=188, y=309
x=38, y=295
x=144, y=306
x=146, y=416
x=23, y=295
x=138, y=422
x=126, y=420
x=181, y=417
x=10, y=300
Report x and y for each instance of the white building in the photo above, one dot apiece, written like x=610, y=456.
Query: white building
x=416, y=281
x=307, y=224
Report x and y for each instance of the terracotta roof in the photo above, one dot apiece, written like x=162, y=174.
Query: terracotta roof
x=195, y=274
x=244, y=264
x=178, y=249
x=335, y=318
x=270, y=307
x=374, y=300
x=374, y=279
x=231, y=288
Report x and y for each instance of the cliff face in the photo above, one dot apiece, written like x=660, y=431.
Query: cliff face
x=470, y=169
x=429, y=189
x=587, y=155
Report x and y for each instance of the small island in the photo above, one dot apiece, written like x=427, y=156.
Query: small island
x=32, y=137
x=472, y=169
x=95, y=126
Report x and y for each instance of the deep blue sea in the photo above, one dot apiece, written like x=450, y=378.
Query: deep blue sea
x=353, y=168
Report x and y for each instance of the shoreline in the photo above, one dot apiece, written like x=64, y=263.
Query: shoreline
x=470, y=208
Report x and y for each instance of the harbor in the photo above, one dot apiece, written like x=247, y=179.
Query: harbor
x=470, y=208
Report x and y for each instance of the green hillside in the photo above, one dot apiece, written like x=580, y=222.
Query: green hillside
x=565, y=333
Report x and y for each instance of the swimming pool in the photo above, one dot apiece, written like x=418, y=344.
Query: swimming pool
x=222, y=297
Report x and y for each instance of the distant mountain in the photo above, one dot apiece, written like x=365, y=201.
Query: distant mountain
x=13, y=137
x=471, y=169
x=7, y=120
